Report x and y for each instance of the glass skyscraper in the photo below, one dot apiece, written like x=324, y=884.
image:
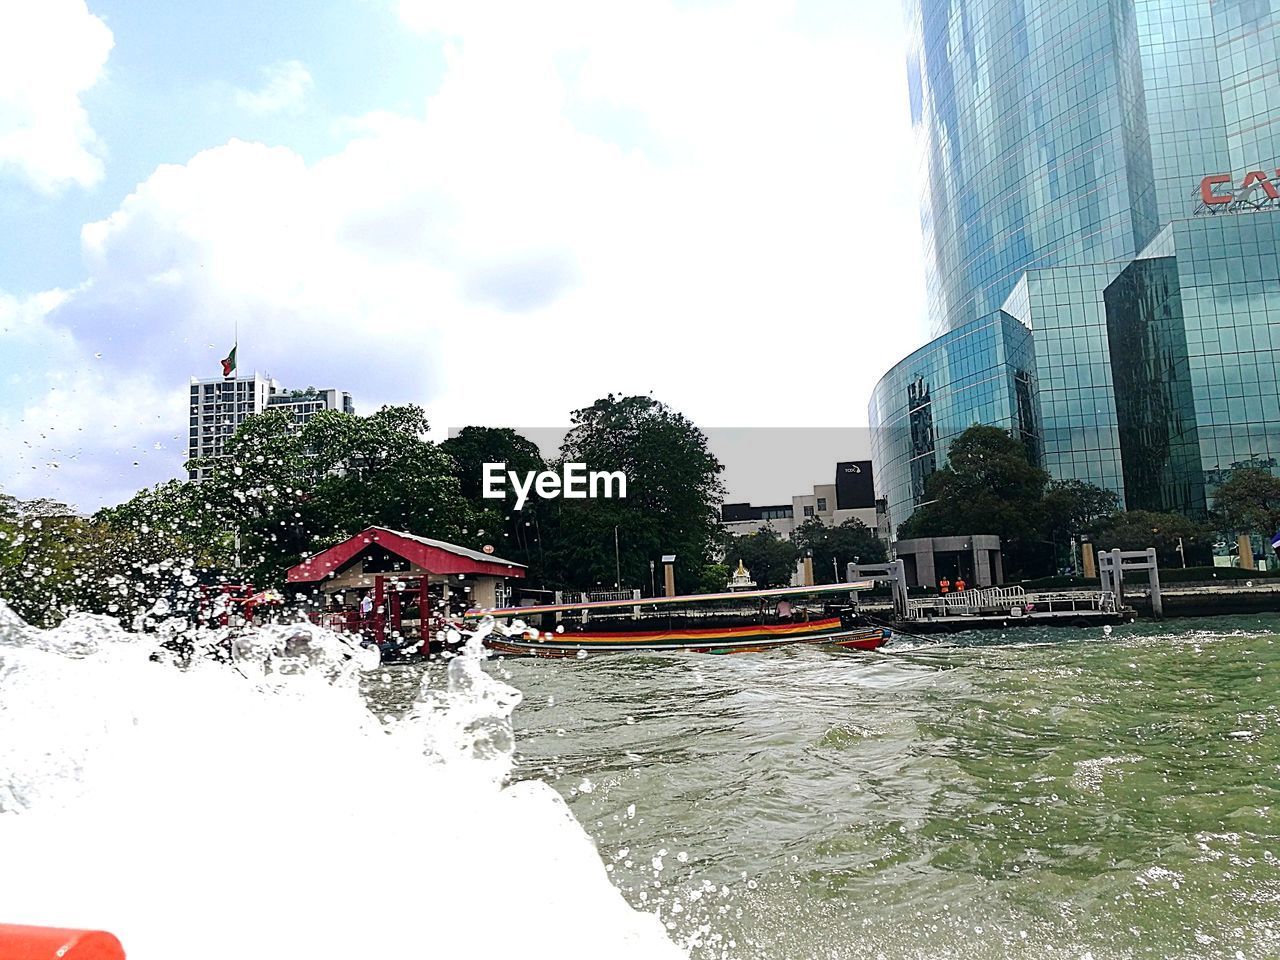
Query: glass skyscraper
x=1100, y=210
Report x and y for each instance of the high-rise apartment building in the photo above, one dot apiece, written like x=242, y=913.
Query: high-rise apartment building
x=1101, y=215
x=220, y=405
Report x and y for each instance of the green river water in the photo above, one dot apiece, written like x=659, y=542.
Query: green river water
x=1041, y=793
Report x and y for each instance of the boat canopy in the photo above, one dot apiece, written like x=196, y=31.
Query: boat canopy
x=686, y=600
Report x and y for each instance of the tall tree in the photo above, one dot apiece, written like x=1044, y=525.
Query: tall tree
x=1140, y=529
x=988, y=487
x=382, y=470
x=257, y=493
x=673, y=494
x=179, y=513
x=40, y=544
x=473, y=447
x=515, y=534
x=287, y=493
x=835, y=547
x=1249, y=502
x=1072, y=507
x=771, y=559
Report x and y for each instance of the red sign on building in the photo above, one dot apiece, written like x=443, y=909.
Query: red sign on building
x=1219, y=193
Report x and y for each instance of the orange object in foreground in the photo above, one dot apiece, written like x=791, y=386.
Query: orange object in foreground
x=50, y=943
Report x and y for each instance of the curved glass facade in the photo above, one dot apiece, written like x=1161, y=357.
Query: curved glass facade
x=1030, y=121
x=981, y=372
x=1065, y=148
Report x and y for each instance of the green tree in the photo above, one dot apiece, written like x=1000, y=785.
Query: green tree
x=988, y=487
x=473, y=447
x=127, y=562
x=1140, y=529
x=177, y=513
x=1072, y=507
x=1249, y=502
x=771, y=559
x=286, y=493
x=673, y=496
x=835, y=547
x=380, y=470
x=9, y=553
x=40, y=544
x=516, y=533
x=258, y=497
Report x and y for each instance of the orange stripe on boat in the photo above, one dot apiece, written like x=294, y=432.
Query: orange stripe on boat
x=53, y=943
x=692, y=636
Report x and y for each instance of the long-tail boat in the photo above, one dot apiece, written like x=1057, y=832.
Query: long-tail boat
x=737, y=622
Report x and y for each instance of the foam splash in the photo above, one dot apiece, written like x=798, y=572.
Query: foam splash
x=259, y=809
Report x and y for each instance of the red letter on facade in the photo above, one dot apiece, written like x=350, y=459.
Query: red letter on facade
x=1257, y=176
x=1206, y=189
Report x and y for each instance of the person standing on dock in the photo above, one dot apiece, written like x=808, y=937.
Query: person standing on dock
x=959, y=584
x=944, y=586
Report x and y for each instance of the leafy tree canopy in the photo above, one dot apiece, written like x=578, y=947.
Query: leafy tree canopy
x=473, y=447
x=286, y=493
x=380, y=470
x=1072, y=507
x=835, y=547
x=672, y=502
x=54, y=562
x=769, y=557
x=516, y=535
x=987, y=487
x=1249, y=502
x=1140, y=529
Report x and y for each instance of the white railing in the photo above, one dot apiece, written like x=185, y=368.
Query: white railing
x=988, y=598
x=1007, y=600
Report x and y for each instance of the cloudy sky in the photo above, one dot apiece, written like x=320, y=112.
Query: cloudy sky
x=497, y=209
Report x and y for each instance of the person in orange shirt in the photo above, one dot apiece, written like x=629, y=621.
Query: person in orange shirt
x=944, y=585
x=959, y=585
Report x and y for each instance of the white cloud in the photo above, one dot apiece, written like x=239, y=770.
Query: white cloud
x=707, y=203
x=84, y=430
x=284, y=87
x=51, y=52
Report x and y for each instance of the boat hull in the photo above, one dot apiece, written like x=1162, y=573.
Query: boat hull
x=830, y=632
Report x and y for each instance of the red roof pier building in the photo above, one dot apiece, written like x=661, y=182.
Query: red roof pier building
x=405, y=575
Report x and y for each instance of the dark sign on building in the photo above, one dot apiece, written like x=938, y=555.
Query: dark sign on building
x=854, y=488
x=738, y=512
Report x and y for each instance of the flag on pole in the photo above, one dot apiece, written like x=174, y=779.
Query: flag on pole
x=229, y=362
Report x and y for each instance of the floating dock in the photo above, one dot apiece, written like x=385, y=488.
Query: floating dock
x=998, y=608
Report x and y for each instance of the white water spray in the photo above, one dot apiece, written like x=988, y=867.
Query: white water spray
x=259, y=810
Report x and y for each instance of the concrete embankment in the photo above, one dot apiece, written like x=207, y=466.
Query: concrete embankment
x=1196, y=599
x=1207, y=599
